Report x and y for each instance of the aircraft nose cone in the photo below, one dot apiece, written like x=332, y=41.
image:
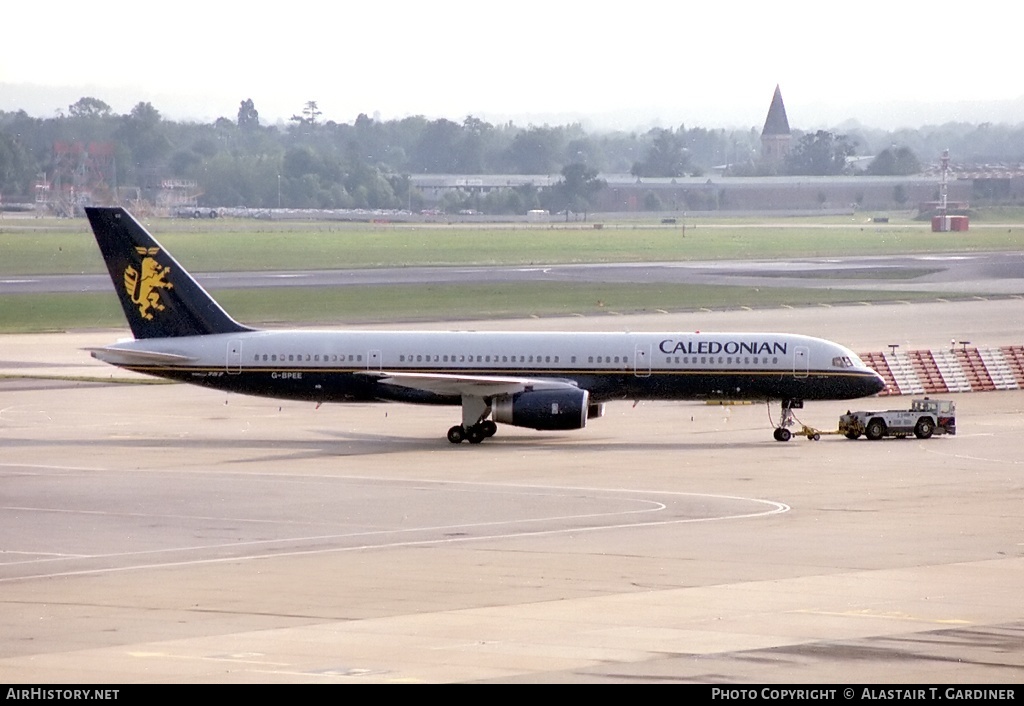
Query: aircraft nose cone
x=877, y=383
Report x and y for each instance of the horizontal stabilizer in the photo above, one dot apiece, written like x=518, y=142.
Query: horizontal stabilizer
x=123, y=356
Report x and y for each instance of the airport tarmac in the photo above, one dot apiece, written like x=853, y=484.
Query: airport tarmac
x=166, y=533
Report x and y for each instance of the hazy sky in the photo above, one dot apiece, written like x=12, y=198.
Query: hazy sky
x=616, y=64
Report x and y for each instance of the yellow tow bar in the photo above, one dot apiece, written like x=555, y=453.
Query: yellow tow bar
x=813, y=434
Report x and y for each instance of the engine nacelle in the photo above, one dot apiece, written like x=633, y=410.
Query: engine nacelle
x=546, y=410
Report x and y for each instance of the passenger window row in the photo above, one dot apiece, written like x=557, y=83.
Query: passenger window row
x=720, y=360
x=453, y=358
x=307, y=358
x=436, y=358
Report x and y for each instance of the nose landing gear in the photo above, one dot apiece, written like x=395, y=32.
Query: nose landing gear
x=782, y=432
x=786, y=420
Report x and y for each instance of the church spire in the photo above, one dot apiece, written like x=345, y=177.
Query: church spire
x=776, y=140
x=776, y=123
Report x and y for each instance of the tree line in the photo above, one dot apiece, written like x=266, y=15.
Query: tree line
x=312, y=163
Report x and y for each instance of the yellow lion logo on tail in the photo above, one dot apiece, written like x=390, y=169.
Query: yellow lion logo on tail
x=143, y=289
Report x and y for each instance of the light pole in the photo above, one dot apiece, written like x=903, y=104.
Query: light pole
x=278, y=191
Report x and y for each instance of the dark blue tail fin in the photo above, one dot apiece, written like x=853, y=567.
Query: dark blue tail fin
x=160, y=299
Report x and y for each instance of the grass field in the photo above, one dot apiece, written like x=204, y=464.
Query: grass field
x=300, y=305
x=49, y=246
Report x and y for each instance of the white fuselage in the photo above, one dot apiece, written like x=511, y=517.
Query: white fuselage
x=610, y=365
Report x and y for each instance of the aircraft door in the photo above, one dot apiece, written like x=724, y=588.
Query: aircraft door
x=801, y=361
x=234, y=357
x=642, y=360
x=373, y=360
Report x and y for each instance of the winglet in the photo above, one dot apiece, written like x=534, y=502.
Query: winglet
x=160, y=299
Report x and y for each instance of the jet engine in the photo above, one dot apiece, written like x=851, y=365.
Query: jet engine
x=545, y=410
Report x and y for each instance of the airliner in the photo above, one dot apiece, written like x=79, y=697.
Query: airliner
x=537, y=380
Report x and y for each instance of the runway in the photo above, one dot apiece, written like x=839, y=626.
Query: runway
x=164, y=533
x=993, y=273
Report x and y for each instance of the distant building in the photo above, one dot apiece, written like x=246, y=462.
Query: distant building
x=776, y=139
x=625, y=193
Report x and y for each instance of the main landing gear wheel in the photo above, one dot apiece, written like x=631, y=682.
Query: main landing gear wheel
x=474, y=434
x=475, y=425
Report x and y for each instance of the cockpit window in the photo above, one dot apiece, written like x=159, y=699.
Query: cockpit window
x=842, y=361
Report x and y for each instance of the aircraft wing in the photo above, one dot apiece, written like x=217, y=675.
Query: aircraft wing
x=468, y=385
x=124, y=356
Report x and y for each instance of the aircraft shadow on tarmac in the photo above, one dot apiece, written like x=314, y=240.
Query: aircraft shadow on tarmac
x=369, y=444
x=340, y=443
